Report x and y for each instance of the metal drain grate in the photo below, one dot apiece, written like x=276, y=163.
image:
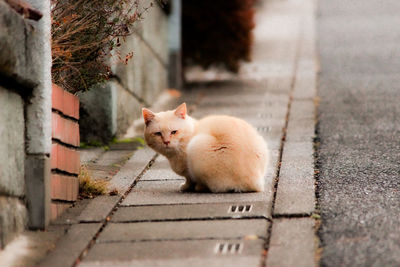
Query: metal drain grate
x=264, y=115
x=240, y=208
x=228, y=248
x=264, y=129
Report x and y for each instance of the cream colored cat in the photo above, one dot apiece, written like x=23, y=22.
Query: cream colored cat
x=216, y=153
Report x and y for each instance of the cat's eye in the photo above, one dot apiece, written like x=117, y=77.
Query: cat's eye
x=174, y=132
x=157, y=133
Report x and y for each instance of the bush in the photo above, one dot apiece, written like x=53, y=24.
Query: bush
x=217, y=32
x=84, y=32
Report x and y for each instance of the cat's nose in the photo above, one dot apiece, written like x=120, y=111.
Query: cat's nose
x=166, y=142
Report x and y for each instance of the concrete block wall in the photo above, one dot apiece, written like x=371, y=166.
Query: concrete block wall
x=25, y=120
x=109, y=109
x=13, y=212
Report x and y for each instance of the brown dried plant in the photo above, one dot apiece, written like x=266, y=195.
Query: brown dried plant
x=85, y=34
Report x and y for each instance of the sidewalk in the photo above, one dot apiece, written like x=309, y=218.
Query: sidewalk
x=151, y=223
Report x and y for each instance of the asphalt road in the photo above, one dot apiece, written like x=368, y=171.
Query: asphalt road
x=359, y=130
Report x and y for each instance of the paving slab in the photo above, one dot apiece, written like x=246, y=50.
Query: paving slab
x=296, y=189
x=161, y=170
x=70, y=216
x=302, y=109
x=184, y=262
x=178, y=230
x=302, y=129
x=90, y=154
x=112, y=157
x=292, y=243
x=305, y=86
x=71, y=245
x=131, y=170
x=177, y=253
x=98, y=209
x=167, y=192
x=192, y=211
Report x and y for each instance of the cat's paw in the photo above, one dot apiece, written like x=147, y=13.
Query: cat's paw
x=201, y=188
x=187, y=186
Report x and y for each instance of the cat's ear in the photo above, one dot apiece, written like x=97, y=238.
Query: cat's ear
x=180, y=111
x=148, y=115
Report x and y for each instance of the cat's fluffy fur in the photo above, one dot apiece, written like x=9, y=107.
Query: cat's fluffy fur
x=216, y=153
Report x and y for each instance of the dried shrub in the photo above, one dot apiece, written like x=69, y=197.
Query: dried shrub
x=217, y=32
x=88, y=187
x=84, y=33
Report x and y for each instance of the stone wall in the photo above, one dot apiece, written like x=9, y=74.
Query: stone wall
x=25, y=120
x=13, y=214
x=109, y=109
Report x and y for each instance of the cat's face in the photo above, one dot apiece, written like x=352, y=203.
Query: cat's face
x=166, y=131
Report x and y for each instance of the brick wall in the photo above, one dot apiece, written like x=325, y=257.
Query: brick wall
x=65, y=162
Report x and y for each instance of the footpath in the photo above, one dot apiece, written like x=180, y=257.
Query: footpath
x=149, y=222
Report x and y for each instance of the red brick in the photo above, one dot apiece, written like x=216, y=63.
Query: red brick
x=65, y=159
x=64, y=187
x=56, y=209
x=65, y=102
x=57, y=98
x=71, y=105
x=65, y=130
x=53, y=156
x=76, y=108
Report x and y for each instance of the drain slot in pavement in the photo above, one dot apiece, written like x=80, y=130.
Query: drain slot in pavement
x=265, y=115
x=228, y=248
x=264, y=129
x=240, y=208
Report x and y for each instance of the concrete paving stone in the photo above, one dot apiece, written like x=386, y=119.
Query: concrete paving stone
x=131, y=170
x=296, y=188
x=297, y=149
x=263, y=103
x=192, y=211
x=305, y=84
x=178, y=230
x=161, y=175
x=280, y=83
x=71, y=245
x=302, y=109
x=167, y=192
x=242, y=99
x=129, y=146
x=90, y=154
x=300, y=130
x=106, y=174
x=160, y=171
x=292, y=243
x=265, y=112
x=70, y=216
x=176, y=253
x=112, y=157
x=274, y=146
x=98, y=209
x=228, y=87
x=232, y=100
x=193, y=262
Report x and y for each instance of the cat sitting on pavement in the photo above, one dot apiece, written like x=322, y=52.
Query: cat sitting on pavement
x=217, y=153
